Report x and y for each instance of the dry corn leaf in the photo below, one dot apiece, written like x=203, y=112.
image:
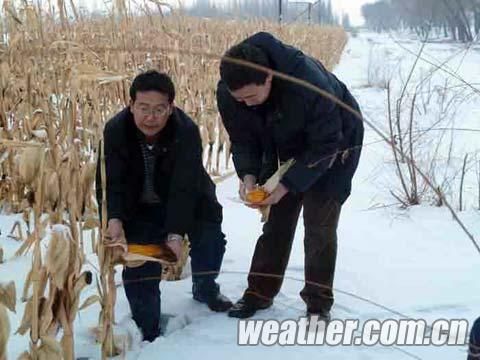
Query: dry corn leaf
x=8, y=295
x=27, y=318
x=49, y=349
x=29, y=164
x=26, y=286
x=4, y=331
x=90, y=301
x=25, y=356
x=109, y=347
x=58, y=258
x=52, y=187
x=91, y=222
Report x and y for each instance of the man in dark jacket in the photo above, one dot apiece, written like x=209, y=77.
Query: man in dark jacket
x=269, y=121
x=474, y=344
x=158, y=191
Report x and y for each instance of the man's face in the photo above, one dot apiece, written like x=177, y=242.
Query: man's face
x=151, y=110
x=253, y=94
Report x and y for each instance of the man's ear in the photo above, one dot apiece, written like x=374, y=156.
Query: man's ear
x=172, y=107
x=131, y=103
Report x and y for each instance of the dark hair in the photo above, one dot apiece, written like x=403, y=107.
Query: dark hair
x=237, y=76
x=153, y=80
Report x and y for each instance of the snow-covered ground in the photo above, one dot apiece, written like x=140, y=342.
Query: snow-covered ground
x=417, y=262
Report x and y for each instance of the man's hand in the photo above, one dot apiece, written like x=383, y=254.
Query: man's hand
x=277, y=195
x=248, y=184
x=116, y=235
x=175, y=243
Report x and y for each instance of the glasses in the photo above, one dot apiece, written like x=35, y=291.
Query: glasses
x=156, y=112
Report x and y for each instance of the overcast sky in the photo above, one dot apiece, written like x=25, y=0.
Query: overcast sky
x=352, y=7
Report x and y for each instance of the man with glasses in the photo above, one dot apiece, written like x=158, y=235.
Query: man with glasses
x=158, y=191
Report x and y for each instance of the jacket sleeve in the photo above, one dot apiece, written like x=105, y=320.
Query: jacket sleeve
x=185, y=185
x=115, y=177
x=246, y=150
x=323, y=131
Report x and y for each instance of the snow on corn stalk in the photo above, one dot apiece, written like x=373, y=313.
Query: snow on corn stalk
x=56, y=281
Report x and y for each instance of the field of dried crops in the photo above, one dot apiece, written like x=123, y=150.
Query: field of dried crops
x=59, y=82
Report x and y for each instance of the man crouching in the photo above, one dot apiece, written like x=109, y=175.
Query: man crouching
x=158, y=191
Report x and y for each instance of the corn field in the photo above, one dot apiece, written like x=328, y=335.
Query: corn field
x=60, y=81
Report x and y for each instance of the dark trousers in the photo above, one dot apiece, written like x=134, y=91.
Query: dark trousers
x=272, y=252
x=474, y=346
x=141, y=284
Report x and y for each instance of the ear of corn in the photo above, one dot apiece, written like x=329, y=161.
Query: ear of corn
x=274, y=180
x=159, y=251
x=256, y=196
x=270, y=186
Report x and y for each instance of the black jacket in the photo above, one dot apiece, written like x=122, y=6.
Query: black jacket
x=295, y=122
x=184, y=187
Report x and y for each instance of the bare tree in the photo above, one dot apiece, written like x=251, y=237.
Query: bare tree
x=457, y=19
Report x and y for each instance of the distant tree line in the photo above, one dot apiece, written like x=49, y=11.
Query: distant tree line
x=455, y=19
x=319, y=12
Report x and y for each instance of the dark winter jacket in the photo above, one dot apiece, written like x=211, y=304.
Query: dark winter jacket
x=180, y=180
x=295, y=122
x=474, y=344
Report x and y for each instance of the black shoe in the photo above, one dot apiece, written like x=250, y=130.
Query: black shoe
x=245, y=309
x=215, y=301
x=219, y=303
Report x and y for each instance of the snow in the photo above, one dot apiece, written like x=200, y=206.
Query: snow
x=416, y=261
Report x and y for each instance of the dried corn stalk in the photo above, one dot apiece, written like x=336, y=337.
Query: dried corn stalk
x=106, y=288
x=57, y=306
x=4, y=332
x=7, y=301
x=49, y=310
